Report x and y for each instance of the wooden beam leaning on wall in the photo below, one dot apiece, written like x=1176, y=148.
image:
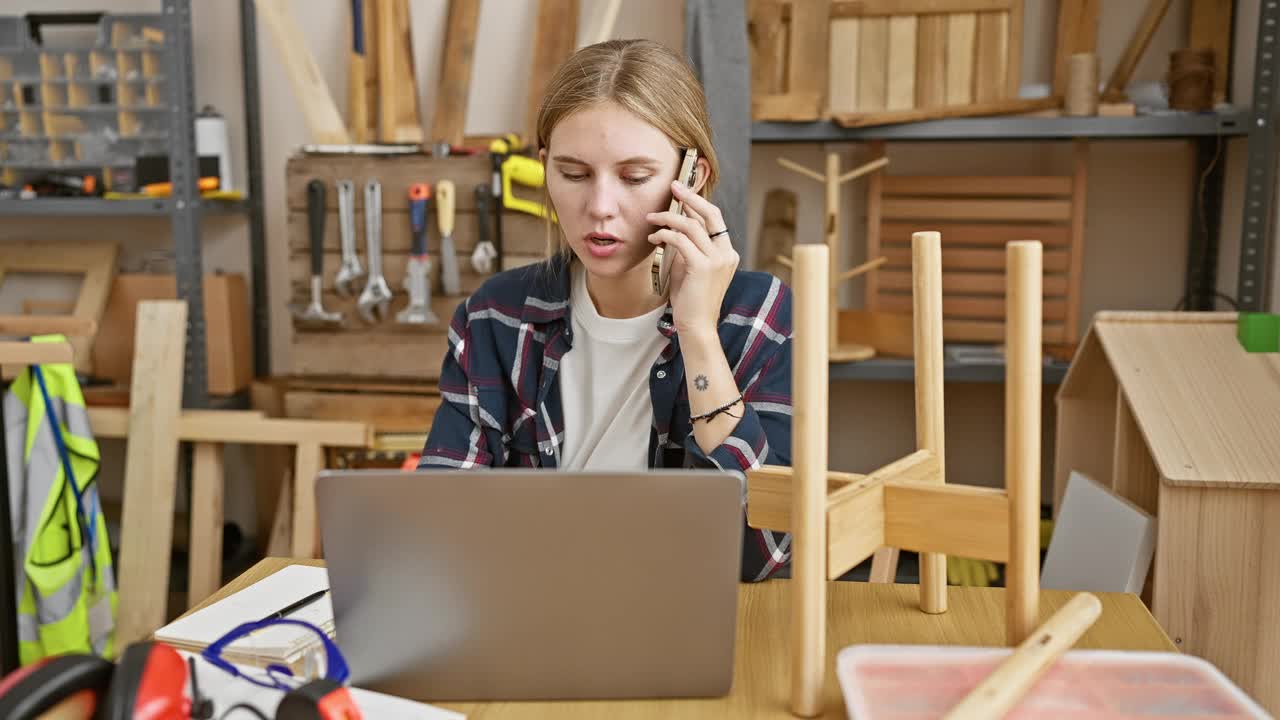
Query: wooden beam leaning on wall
x=318, y=108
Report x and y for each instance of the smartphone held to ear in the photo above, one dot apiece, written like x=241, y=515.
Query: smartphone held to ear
x=663, y=258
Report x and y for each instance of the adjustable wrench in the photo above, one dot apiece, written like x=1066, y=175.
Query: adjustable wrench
x=375, y=301
x=350, y=269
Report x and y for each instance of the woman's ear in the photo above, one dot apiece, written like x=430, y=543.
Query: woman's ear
x=542, y=156
x=701, y=173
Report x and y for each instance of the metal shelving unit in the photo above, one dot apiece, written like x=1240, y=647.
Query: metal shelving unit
x=1209, y=131
x=185, y=207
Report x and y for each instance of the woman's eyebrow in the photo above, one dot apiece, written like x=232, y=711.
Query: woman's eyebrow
x=635, y=160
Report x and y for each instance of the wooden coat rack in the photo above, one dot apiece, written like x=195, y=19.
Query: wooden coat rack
x=833, y=179
x=837, y=520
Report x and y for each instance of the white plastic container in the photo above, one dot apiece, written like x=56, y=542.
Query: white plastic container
x=897, y=682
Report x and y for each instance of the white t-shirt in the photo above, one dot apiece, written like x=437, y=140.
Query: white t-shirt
x=604, y=385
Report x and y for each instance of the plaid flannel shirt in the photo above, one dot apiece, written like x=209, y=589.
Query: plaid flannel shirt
x=501, y=399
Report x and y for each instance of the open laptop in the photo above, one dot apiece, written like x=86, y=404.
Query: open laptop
x=534, y=584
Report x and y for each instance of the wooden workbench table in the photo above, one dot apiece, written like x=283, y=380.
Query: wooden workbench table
x=1171, y=412
x=859, y=613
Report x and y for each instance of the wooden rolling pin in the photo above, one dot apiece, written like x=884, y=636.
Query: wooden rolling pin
x=1019, y=672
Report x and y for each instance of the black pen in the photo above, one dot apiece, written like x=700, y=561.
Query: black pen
x=296, y=606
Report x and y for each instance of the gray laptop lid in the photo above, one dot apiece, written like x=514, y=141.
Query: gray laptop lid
x=534, y=584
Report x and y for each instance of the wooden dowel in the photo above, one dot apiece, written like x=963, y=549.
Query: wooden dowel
x=47, y=325
x=926, y=272
x=832, y=227
x=1004, y=687
x=797, y=167
x=1022, y=435
x=863, y=268
x=994, y=107
x=809, y=460
x=864, y=169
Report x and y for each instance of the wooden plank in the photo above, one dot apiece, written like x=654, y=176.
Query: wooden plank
x=454, y=89
x=20, y=353
x=207, y=487
x=993, y=331
x=962, y=55
x=807, y=61
x=415, y=356
x=1119, y=80
x=842, y=73
x=777, y=233
x=855, y=525
x=980, y=234
x=1077, y=33
x=769, y=490
x=320, y=112
x=554, y=38
x=992, y=107
x=976, y=185
x=875, y=8
x=271, y=464
x=1211, y=22
x=362, y=76
x=959, y=520
x=1013, y=63
x=386, y=413
x=964, y=209
x=931, y=61
x=151, y=469
x=308, y=462
x=967, y=283
x=767, y=42
x=408, y=127
x=791, y=107
x=889, y=333
x=989, y=71
x=280, y=541
x=971, y=307
x=920, y=466
x=239, y=427
x=873, y=64
x=901, y=93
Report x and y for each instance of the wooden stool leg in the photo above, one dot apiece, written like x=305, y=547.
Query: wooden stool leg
x=926, y=272
x=307, y=464
x=1022, y=436
x=809, y=461
x=884, y=565
x=207, y=487
x=280, y=538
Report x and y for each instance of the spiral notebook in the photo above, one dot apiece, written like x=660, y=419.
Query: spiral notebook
x=278, y=644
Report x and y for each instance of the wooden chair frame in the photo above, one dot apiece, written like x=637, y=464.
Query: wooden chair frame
x=837, y=520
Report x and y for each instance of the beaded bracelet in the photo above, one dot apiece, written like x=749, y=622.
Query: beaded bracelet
x=723, y=408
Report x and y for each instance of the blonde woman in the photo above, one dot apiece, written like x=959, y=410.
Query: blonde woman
x=575, y=362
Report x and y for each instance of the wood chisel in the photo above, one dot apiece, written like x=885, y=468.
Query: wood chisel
x=417, y=272
x=445, y=196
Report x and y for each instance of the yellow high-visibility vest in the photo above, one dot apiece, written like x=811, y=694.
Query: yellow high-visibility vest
x=67, y=600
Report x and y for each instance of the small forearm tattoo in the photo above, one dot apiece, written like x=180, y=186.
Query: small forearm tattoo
x=700, y=382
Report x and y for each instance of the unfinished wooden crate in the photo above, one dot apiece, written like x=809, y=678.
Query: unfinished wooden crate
x=977, y=216
x=837, y=520
x=388, y=350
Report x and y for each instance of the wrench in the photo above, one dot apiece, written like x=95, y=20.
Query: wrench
x=375, y=301
x=350, y=268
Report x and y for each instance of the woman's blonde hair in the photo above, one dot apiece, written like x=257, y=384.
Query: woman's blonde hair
x=645, y=77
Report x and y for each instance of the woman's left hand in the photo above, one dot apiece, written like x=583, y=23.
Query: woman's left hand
x=703, y=267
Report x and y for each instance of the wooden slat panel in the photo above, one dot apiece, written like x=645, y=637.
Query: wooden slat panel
x=393, y=269
x=901, y=94
x=873, y=63
x=993, y=332
x=1079, y=186
x=989, y=80
x=971, y=307
x=807, y=61
x=977, y=185
x=410, y=356
x=872, y=8
x=842, y=73
x=961, y=56
x=971, y=283
x=1041, y=210
x=989, y=235
x=385, y=412
x=959, y=520
x=395, y=174
x=1054, y=260
x=875, y=194
x=931, y=61
x=1013, y=63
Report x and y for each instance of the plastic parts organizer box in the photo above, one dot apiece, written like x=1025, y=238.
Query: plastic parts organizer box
x=915, y=682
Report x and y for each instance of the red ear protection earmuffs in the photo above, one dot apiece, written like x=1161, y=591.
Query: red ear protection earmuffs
x=72, y=684
x=147, y=683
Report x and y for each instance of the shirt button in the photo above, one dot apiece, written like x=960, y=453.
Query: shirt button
x=548, y=451
x=662, y=374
